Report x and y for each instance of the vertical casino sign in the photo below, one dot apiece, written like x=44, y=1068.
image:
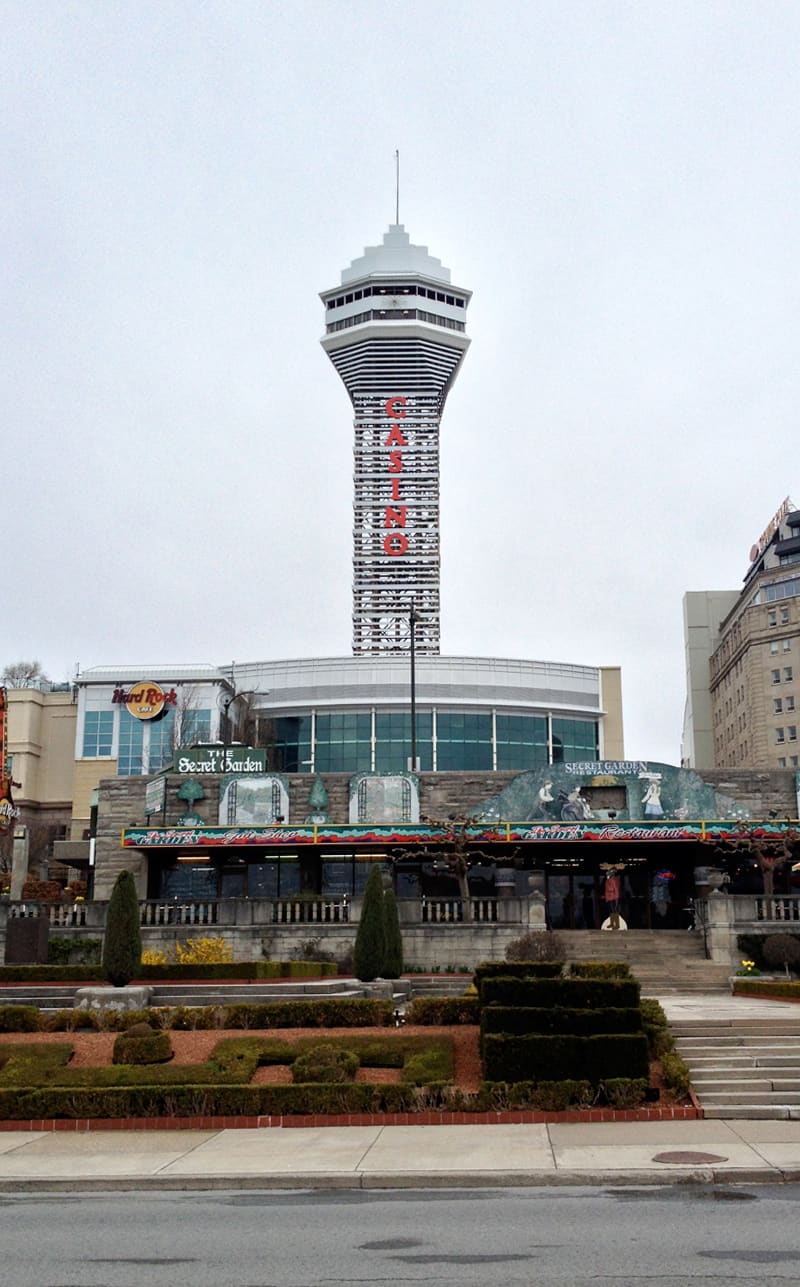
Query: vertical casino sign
x=395, y=542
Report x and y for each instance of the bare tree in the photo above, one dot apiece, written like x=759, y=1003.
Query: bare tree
x=456, y=854
x=771, y=855
x=23, y=674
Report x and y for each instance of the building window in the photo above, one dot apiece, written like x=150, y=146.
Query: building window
x=784, y=616
x=787, y=674
x=779, y=736
x=162, y=742
x=792, y=732
x=790, y=703
x=772, y=617
x=131, y=745
x=521, y=741
x=793, y=761
x=98, y=733
x=776, y=676
x=463, y=740
x=781, y=761
x=787, y=645
x=777, y=705
x=343, y=742
x=195, y=728
x=393, y=741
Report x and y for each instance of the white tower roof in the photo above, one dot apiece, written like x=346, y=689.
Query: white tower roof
x=396, y=256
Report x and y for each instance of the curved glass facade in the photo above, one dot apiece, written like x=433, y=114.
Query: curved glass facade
x=446, y=741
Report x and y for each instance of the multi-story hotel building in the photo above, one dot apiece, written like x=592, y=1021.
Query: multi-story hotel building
x=743, y=660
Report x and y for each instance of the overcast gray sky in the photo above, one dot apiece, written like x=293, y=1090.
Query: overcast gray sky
x=616, y=182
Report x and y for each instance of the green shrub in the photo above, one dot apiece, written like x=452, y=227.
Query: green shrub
x=625, y=1092
x=766, y=987
x=518, y=970
x=62, y=950
x=329, y=1013
x=141, y=1045
x=443, y=1011
x=676, y=1074
x=19, y=1018
x=519, y=1020
x=239, y=970
x=654, y=1023
x=429, y=1067
x=600, y=970
x=369, y=953
x=51, y=974
x=543, y=1058
x=393, y=939
x=122, y=942
x=556, y=1096
x=578, y=994
x=325, y=1063
x=536, y=945
x=782, y=949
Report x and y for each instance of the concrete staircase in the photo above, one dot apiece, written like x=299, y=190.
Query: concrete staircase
x=664, y=961
x=743, y=1067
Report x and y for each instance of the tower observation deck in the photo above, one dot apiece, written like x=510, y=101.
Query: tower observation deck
x=395, y=331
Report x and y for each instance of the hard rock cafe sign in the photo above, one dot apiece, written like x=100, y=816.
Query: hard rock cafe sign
x=144, y=700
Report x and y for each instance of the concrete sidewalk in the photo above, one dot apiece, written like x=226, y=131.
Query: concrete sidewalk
x=381, y=1157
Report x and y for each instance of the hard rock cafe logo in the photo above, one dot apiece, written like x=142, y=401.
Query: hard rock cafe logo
x=145, y=700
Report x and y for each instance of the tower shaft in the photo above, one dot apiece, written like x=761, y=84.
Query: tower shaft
x=395, y=334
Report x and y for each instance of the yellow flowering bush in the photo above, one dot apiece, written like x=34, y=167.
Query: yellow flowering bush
x=151, y=957
x=203, y=951
x=747, y=968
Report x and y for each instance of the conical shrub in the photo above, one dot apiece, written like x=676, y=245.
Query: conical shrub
x=122, y=944
x=370, y=948
x=393, y=960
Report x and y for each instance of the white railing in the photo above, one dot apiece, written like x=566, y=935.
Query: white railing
x=450, y=911
x=778, y=908
x=59, y=915
x=200, y=912
x=300, y=911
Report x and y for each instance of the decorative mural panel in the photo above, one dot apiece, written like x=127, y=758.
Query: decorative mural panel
x=384, y=798
x=249, y=800
x=621, y=790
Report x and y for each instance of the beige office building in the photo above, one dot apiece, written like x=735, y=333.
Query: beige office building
x=743, y=660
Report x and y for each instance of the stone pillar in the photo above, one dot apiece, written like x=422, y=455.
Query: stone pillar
x=537, y=918
x=19, y=864
x=717, y=912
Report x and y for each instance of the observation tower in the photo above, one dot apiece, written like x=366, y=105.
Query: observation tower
x=395, y=331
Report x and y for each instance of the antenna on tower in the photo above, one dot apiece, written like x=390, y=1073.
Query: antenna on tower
x=397, y=185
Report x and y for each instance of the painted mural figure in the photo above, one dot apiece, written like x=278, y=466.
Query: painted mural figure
x=573, y=806
x=544, y=799
x=652, y=799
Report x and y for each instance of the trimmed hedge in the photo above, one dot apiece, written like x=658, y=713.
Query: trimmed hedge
x=205, y=1101
x=330, y=1013
x=325, y=1013
x=580, y=994
x=178, y=973
x=152, y=1048
x=600, y=970
x=19, y=1018
x=518, y=970
x=745, y=987
x=443, y=1011
x=539, y=1058
x=558, y=1020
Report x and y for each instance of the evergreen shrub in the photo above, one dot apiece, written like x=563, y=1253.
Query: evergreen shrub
x=393, y=939
x=326, y=1064
x=557, y=1020
x=369, y=953
x=582, y=994
x=19, y=1018
x=122, y=942
x=545, y=1058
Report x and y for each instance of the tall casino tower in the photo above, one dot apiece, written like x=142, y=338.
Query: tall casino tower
x=395, y=331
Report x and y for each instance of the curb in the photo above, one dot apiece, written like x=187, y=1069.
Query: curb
x=706, y=1177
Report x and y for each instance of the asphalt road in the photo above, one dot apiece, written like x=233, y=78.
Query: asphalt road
x=662, y=1237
